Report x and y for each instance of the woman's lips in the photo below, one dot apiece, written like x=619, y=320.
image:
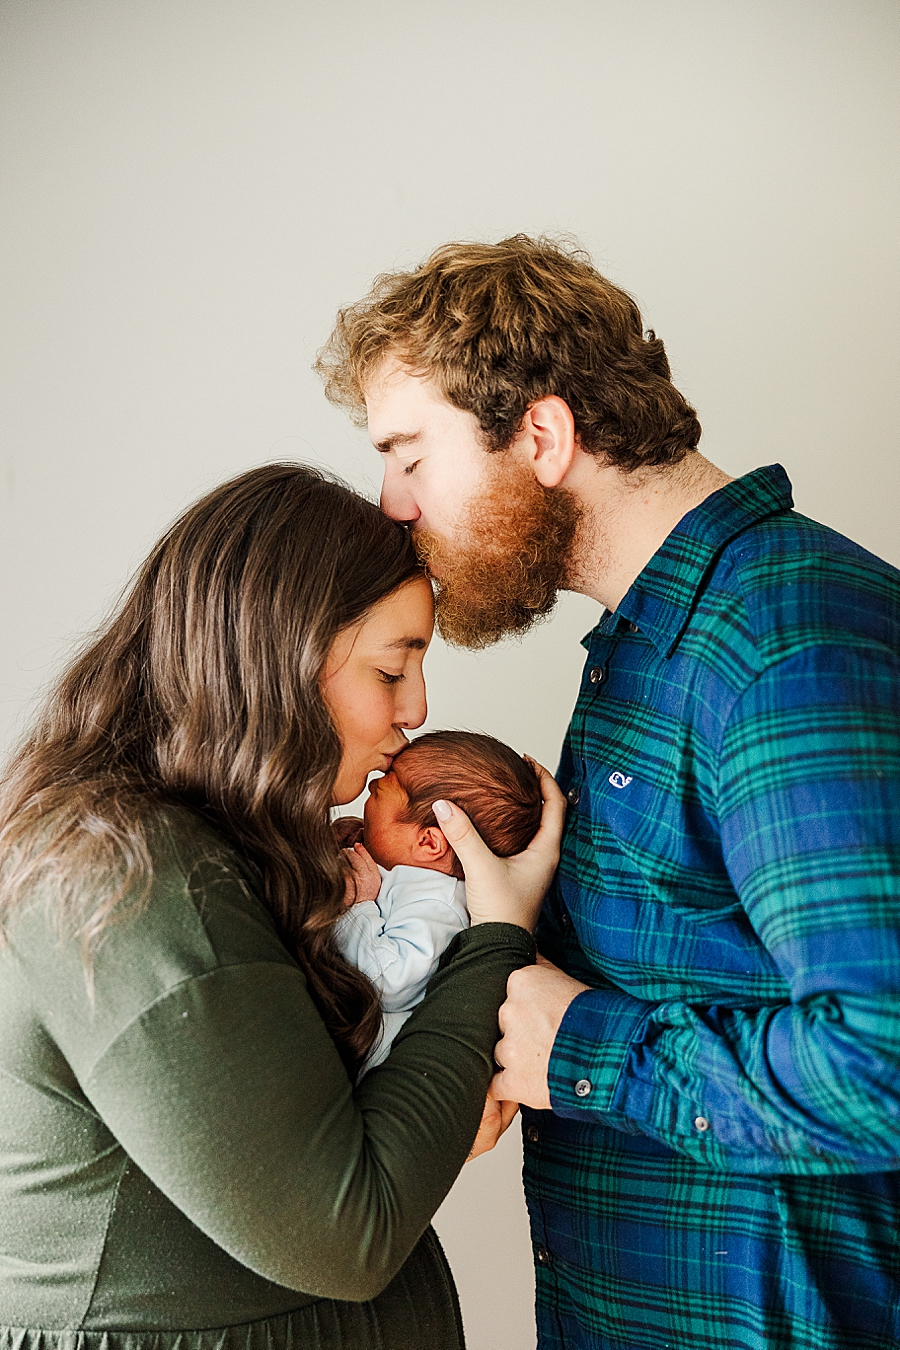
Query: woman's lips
x=394, y=753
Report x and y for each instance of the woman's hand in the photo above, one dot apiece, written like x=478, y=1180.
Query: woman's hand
x=507, y=890
x=497, y=1118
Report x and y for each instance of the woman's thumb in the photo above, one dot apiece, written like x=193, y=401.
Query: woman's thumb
x=459, y=832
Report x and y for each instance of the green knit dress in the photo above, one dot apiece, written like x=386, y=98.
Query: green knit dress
x=183, y=1159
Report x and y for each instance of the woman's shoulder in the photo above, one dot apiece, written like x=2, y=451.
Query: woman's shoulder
x=200, y=884
x=199, y=908
x=183, y=844
x=195, y=918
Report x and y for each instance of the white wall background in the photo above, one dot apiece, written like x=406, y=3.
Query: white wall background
x=190, y=188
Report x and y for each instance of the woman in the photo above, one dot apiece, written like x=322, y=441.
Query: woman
x=182, y=1148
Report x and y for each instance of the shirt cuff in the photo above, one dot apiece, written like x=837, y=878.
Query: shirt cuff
x=596, y=1036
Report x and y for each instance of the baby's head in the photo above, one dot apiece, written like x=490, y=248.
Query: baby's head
x=498, y=790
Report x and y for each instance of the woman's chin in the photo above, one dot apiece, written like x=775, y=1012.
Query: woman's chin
x=344, y=793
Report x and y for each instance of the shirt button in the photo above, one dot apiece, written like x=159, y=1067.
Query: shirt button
x=596, y=674
x=564, y=919
x=572, y=796
x=543, y=1256
x=532, y=1134
x=701, y=1123
x=583, y=1087
x=633, y=628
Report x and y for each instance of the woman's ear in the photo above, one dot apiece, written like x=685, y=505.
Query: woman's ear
x=432, y=850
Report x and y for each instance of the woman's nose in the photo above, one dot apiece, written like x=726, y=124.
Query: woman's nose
x=414, y=708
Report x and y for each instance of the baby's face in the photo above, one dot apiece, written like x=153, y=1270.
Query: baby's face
x=390, y=840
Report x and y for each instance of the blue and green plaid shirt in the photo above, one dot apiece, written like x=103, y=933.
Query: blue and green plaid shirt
x=721, y=1167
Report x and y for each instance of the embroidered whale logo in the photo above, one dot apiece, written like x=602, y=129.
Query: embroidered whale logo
x=620, y=780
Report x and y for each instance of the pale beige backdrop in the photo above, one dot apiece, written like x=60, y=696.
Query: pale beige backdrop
x=190, y=188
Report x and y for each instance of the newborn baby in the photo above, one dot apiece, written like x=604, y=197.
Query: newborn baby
x=408, y=898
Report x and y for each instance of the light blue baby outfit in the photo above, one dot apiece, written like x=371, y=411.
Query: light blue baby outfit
x=398, y=939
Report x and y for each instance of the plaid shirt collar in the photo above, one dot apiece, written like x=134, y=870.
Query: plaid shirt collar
x=661, y=600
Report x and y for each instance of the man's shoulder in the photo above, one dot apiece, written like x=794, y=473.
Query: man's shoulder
x=789, y=539
x=799, y=585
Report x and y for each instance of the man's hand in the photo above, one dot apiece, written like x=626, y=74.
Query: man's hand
x=497, y=1118
x=536, y=1000
x=364, y=878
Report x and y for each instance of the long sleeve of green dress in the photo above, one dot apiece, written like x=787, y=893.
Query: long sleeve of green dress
x=181, y=1148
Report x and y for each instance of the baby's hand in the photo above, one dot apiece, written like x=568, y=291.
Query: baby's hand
x=363, y=877
x=348, y=830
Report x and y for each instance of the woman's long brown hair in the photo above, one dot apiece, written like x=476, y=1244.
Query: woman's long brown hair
x=204, y=690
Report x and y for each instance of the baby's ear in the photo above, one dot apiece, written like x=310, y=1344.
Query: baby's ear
x=431, y=848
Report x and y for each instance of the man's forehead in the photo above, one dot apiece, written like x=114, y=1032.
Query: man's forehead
x=392, y=384
x=401, y=404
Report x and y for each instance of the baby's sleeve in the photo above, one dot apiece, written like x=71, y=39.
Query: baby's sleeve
x=398, y=939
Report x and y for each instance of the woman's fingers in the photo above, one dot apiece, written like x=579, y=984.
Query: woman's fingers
x=506, y=890
x=492, y=895
x=553, y=812
x=497, y=1118
x=489, y=1130
x=461, y=834
x=508, y=1113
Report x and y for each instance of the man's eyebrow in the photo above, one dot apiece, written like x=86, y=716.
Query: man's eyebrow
x=407, y=644
x=396, y=438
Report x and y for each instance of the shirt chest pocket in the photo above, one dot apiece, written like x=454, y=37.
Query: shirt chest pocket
x=663, y=835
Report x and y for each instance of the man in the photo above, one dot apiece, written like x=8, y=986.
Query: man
x=710, y=1069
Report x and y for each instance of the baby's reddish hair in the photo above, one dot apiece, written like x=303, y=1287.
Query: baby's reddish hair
x=498, y=789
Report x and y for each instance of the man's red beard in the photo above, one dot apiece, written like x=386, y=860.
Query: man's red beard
x=511, y=553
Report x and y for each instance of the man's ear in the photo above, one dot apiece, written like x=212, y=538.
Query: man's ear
x=548, y=439
x=431, y=848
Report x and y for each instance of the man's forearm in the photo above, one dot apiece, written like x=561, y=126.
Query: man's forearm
x=726, y=1086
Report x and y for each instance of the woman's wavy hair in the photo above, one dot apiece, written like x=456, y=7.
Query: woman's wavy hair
x=499, y=326
x=204, y=690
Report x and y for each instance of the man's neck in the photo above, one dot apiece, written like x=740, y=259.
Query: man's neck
x=627, y=517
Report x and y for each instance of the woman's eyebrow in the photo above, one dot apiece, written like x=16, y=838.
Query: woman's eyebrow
x=408, y=644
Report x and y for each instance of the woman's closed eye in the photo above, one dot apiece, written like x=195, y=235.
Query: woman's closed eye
x=389, y=678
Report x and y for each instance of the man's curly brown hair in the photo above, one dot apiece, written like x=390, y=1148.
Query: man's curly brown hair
x=499, y=326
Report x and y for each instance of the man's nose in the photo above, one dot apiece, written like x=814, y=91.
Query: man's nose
x=397, y=500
